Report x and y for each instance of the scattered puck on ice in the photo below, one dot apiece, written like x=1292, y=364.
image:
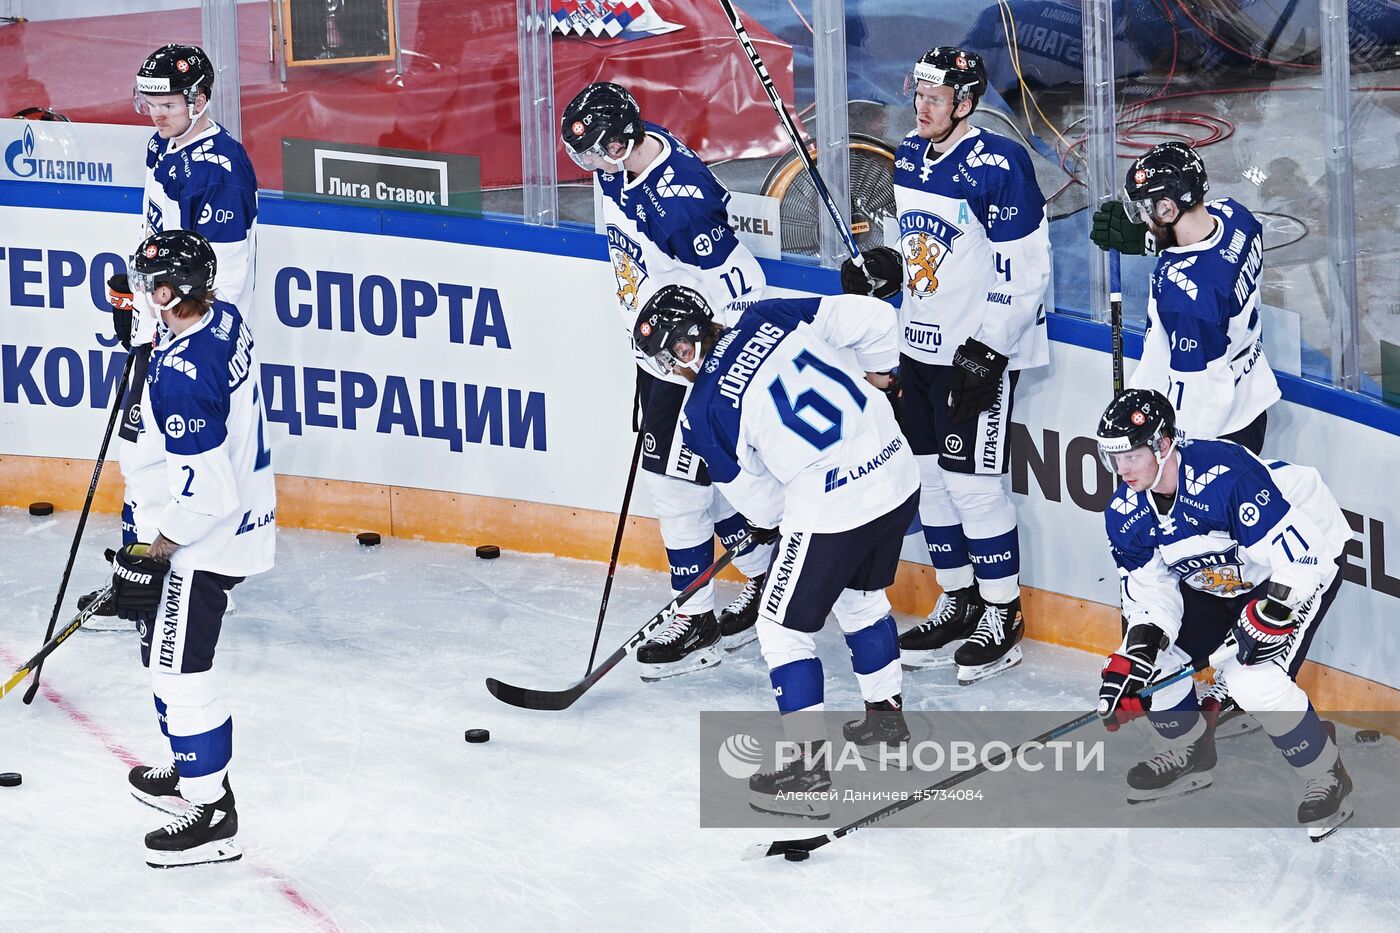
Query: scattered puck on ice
x=488, y=552
x=1368, y=736
x=477, y=736
x=41, y=508
x=797, y=855
x=11, y=779
x=368, y=538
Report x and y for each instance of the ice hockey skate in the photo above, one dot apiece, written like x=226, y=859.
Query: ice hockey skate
x=1223, y=714
x=202, y=834
x=933, y=642
x=801, y=788
x=158, y=788
x=994, y=646
x=687, y=643
x=1173, y=772
x=880, y=735
x=1325, y=807
x=737, y=620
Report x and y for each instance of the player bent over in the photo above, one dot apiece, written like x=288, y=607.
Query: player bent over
x=202, y=426
x=1212, y=543
x=972, y=269
x=667, y=224
x=796, y=435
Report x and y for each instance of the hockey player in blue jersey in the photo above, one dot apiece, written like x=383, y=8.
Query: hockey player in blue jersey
x=972, y=270
x=1213, y=543
x=667, y=224
x=799, y=437
x=202, y=430
x=198, y=178
x=1204, y=347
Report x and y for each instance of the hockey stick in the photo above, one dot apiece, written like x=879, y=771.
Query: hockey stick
x=784, y=846
x=99, y=601
x=791, y=128
x=1115, y=317
x=563, y=699
x=82, y=518
x=617, y=548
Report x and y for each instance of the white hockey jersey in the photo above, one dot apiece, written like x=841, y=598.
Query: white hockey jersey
x=205, y=184
x=1237, y=523
x=670, y=226
x=1204, y=348
x=203, y=432
x=789, y=428
x=976, y=245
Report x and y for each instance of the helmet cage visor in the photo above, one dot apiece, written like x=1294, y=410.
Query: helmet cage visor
x=595, y=157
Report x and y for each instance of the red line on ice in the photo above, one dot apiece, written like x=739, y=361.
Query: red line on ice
x=81, y=719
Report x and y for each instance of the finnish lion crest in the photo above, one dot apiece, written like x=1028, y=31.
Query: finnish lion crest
x=925, y=239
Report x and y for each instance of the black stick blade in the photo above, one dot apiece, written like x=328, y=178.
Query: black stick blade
x=534, y=699
x=784, y=846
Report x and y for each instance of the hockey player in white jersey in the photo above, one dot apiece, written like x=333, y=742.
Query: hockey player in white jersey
x=972, y=270
x=198, y=178
x=202, y=430
x=667, y=224
x=797, y=436
x=1204, y=347
x=1213, y=543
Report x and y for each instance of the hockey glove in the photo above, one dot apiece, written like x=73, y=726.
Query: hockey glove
x=123, y=307
x=976, y=383
x=763, y=536
x=1264, y=631
x=886, y=268
x=1127, y=671
x=1113, y=230
x=137, y=581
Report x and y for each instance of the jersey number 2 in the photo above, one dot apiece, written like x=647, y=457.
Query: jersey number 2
x=791, y=412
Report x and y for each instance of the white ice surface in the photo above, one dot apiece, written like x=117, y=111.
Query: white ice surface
x=352, y=675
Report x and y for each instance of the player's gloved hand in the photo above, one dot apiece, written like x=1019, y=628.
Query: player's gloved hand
x=123, y=307
x=977, y=371
x=1264, y=631
x=1127, y=671
x=1111, y=229
x=137, y=581
x=886, y=268
x=762, y=536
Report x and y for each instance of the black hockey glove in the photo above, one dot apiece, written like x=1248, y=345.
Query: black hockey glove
x=123, y=307
x=886, y=268
x=977, y=371
x=1127, y=671
x=1264, y=631
x=137, y=581
x=1112, y=229
x=763, y=536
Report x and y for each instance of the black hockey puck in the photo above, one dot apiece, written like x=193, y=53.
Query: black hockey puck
x=11, y=779
x=368, y=538
x=488, y=551
x=1367, y=736
x=797, y=855
x=41, y=508
x=477, y=736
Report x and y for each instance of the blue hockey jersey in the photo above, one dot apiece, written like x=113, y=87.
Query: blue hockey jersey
x=1204, y=347
x=670, y=226
x=976, y=246
x=790, y=428
x=203, y=431
x=1236, y=523
x=206, y=184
